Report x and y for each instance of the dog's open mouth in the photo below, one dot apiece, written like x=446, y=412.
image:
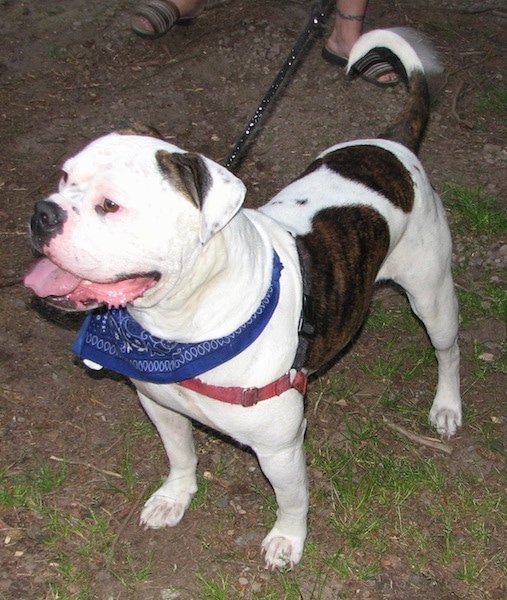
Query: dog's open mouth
x=65, y=290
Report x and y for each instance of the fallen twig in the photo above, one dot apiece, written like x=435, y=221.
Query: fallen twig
x=83, y=464
x=419, y=439
x=466, y=67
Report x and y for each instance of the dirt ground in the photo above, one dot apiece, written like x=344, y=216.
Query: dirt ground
x=71, y=70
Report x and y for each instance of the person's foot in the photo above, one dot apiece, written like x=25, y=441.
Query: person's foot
x=342, y=45
x=154, y=18
x=337, y=50
x=376, y=71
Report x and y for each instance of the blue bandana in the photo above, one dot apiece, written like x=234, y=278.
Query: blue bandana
x=115, y=340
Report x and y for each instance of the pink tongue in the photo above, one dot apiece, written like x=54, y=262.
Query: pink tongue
x=47, y=279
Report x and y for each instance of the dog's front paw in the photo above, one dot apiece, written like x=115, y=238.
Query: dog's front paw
x=445, y=419
x=281, y=552
x=164, y=511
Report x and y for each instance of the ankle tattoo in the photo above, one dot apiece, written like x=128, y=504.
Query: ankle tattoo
x=349, y=17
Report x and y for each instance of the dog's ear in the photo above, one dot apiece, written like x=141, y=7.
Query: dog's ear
x=216, y=192
x=191, y=172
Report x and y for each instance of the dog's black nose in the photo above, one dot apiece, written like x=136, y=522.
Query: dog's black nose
x=46, y=222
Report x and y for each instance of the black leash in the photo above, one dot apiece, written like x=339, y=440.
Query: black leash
x=320, y=11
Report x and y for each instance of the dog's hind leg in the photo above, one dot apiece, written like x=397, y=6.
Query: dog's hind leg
x=434, y=302
x=167, y=505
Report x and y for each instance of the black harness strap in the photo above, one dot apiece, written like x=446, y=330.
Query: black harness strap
x=307, y=321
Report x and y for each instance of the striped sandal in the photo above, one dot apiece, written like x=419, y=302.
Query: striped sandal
x=374, y=65
x=154, y=18
x=370, y=68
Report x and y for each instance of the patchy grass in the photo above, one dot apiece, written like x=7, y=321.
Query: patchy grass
x=494, y=99
x=381, y=508
x=474, y=212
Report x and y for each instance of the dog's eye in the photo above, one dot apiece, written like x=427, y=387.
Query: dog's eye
x=108, y=206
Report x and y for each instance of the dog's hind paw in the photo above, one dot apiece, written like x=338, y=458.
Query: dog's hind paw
x=445, y=420
x=163, y=511
x=281, y=552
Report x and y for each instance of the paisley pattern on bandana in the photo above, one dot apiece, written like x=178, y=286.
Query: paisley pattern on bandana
x=115, y=340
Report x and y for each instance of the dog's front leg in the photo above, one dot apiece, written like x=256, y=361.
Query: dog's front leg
x=285, y=467
x=167, y=505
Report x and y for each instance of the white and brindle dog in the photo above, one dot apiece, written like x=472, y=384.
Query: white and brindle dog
x=158, y=237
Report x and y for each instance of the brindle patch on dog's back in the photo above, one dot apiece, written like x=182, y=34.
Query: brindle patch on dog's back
x=343, y=252
x=375, y=168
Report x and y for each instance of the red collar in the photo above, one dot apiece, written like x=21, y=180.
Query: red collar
x=249, y=396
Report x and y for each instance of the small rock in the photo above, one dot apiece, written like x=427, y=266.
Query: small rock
x=170, y=594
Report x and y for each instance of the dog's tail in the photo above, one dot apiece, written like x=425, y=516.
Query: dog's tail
x=414, y=60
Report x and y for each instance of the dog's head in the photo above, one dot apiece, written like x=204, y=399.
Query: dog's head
x=130, y=214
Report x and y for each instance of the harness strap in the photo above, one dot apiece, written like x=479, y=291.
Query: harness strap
x=249, y=396
x=306, y=329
